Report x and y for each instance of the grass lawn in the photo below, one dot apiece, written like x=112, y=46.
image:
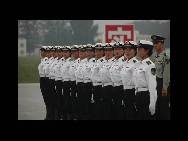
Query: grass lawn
x=28, y=69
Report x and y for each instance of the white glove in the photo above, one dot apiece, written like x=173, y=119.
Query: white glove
x=152, y=109
x=92, y=101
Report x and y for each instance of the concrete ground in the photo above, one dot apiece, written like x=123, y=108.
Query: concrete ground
x=30, y=102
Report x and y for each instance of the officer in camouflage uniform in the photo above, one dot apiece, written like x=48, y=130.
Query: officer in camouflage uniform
x=162, y=63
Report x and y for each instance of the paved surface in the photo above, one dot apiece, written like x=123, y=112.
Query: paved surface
x=30, y=102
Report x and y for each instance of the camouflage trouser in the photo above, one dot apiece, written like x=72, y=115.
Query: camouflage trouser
x=162, y=104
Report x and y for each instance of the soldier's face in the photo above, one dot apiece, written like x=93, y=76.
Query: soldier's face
x=59, y=54
x=89, y=53
x=142, y=52
x=82, y=54
x=99, y=53
x=47, y=54
x=56, y=54
x=74, y=54
x=66, y=54
x=109, y=54
x=118, y=52
x=158, y=46
x=129, y=53
x=43, y=54
x=51, y=54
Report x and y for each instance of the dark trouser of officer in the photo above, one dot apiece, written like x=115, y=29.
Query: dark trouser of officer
x=118, y=110
x=142, y=101
x=85, y=98
x=67, y=100
x=162, y=108
x=44, y=92
x=97, y=106
x=107, y=102
x=129, y=102
x=168, y=100
x=159, y=97
x=59, y=99
x=80, y=88
x=74, y=100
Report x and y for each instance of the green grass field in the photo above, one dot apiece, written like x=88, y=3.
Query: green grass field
x=28, y=69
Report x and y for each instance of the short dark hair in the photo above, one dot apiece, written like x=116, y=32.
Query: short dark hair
x=161, y=41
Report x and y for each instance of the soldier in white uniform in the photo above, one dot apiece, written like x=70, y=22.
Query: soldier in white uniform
x=107, y=82
x=144, y=78
x=59, y=83
x=115, y=69
x=80, y=80
x=43, y=78
x=97, y=81
x=127, y=79
x=50, y=84
x=73, y=67
x=51, y=75
x=86, y=71
x=66, y=82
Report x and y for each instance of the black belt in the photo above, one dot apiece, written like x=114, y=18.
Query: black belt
x=129, y=90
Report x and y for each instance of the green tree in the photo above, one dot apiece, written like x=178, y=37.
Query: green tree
x=58, y=33
x=83, y=31
x=29, y=29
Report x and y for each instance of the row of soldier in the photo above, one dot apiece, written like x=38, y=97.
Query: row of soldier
x=102, y=81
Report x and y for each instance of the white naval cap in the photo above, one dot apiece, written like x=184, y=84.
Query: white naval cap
x=43, y=47
x=99, y=46
x=133, y=43
x=74, y=47
x=145, y=44
x=118, y=44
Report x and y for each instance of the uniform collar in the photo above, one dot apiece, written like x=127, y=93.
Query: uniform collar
x=78, y=59
x=91, y=59
x=84, y=60
x=45, y=58
x=145, y=60
x=111, y=59
x=68, y=59
x=121, y=58
x=102, y=58
x=131, y=60
x=157, y=55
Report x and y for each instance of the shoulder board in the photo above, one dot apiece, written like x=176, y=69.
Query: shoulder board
x=113, y=59
x=148, y=62
x=134, y=61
